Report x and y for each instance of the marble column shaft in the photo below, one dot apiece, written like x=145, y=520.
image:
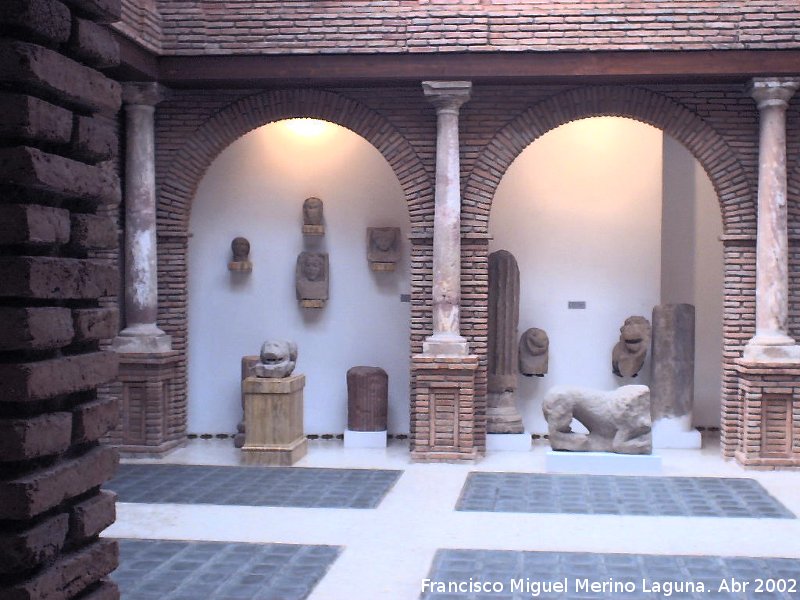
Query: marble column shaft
x=447, y=97
x=772, y=279
x=141, y=333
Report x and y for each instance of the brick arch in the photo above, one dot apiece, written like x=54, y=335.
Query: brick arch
x=188, y=166
x=178, y=188
x=724, y=169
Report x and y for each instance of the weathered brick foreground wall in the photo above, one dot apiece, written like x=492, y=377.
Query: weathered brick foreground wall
x=718, y=123
x=56, y=132
x=361, y=26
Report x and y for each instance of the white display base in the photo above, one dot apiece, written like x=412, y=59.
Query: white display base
x=508, y=442
x=364, y=439
x=676, y=433
x=602, y=463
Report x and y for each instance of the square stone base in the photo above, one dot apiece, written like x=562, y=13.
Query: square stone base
x=284, y=456
x=364, y=439
x=676, y=433
x=508, y=442
x=602, y=463
x=273, y=416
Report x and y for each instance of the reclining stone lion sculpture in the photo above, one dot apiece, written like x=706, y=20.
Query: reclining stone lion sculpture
x=618, y=421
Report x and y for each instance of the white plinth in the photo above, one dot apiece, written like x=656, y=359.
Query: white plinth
x=508, y=442
x=364, y=439
x=676, y=433
x=602, y=463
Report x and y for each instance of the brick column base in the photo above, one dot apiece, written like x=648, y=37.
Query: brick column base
x=769, y=398
x=443, y=409
x=150, y=423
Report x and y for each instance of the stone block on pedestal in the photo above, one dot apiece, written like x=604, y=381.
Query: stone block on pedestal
x=273, y=415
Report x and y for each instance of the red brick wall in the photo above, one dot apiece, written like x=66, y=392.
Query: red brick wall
x=56, y=192
x=718, y=123
x=404, y=26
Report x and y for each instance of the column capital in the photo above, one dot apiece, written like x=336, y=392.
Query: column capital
x=772, y=91
x=447, y=95
x=147, y=93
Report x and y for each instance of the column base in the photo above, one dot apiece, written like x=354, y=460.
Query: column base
x=509, y=442
x=445, y=344
x=761, y=350
x=142, y=339
x=364, y=439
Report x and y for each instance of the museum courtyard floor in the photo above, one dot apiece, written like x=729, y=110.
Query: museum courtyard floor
x=347, y=524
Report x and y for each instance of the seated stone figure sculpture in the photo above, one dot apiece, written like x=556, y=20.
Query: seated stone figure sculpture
x=278, y=359
x=630, y=351
x=618, y=421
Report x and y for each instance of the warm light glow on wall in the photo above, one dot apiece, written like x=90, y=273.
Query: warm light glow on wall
x=307, y=128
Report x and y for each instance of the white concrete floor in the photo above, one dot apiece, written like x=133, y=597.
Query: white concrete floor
x=388, y=551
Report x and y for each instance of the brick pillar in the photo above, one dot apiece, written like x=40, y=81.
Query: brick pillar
x=443, y=415
x=769, y=398
x=57, y=131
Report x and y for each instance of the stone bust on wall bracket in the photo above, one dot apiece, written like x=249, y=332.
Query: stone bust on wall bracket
x=311, y=279
x=312, y=217
x=383, y=248
x=240, y=247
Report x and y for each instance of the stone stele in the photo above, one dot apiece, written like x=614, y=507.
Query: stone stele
x=311, y=279
x=618, y=420
x=672, y=380
x=278, y=358
x=533, y=352
x=383, y=248
x=630, y=351
x=501, y=413
x=367, y=399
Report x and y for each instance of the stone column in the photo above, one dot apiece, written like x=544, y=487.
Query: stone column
x=771, y=343
x=447, y=97
x=141, y=334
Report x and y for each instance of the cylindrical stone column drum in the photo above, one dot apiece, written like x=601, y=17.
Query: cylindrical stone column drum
x=367, y=399
x=503, y=321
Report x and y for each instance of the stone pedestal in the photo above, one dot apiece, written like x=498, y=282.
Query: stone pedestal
x=509, y=442
x=273, y=416
x=769, y=402
x=602, y=463
x=149, y=405
x=364, y=439
x=443, y=412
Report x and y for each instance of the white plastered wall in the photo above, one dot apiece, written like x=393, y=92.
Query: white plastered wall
x=692, y=268
x=581, y=210
x=255, y=189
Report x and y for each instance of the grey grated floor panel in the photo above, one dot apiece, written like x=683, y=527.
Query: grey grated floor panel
x=525, y=575
x=252, y=486
x=619, y=495
x=172, y=570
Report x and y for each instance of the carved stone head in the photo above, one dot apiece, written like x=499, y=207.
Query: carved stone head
x=383, y=244
x=533, y=352
x=311, y=276
x=630, y=352
x=312, y=211
x=278, y=359
x=241, y=249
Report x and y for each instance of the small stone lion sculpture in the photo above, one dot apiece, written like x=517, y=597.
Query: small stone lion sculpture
x=618, y=421
x=630, y=351
x=278, y=359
